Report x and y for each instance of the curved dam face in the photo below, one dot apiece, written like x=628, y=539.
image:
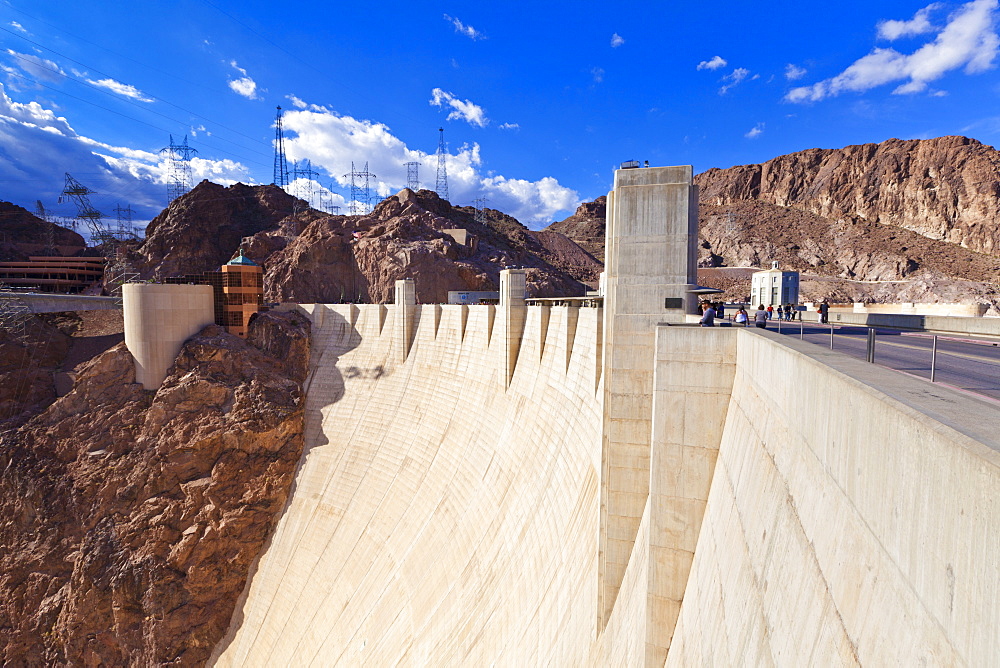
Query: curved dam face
x=803, y=508
x=439, y=516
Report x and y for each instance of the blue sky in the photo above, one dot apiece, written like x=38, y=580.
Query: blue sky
x=539, y=101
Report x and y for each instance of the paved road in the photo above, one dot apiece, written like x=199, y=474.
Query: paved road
x=966, y=363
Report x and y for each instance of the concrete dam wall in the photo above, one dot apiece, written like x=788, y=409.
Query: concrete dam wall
x=801, y=508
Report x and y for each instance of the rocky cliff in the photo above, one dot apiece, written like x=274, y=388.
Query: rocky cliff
x=586, y=227
x=947, y=189
x=359, y=258
x=22, y=234
x=202, y=229
x=129, y=520
x=310, y=256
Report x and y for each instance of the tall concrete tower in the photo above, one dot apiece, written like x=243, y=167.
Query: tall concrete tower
x=650, y=268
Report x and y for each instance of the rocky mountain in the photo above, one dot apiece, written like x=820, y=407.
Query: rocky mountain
x=22, y=233
x=202, y=229
x=586, y=227
x=863, y=223
x=946, y=189
x=130, y=520
x=408, y=235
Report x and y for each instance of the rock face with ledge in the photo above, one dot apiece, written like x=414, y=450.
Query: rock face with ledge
x=945, y=189
x=131, y=519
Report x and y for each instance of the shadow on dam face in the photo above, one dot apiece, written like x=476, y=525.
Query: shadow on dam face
x=324, y=386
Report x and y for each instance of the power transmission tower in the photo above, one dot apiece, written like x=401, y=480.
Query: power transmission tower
x=305, y=191
x=413, y=176
x=480, y=204
x=125, y=230
x=50, y=229
x=85, y=211
x=360, y=190
x=280, y=163
x=441, y=187
x=179, y=164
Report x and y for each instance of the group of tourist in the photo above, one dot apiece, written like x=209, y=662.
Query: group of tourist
x=712, y=310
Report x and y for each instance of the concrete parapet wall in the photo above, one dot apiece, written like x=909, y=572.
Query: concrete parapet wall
x=851, y=520
x=924, y=323
x=158, y=320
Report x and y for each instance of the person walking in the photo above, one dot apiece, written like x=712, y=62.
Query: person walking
x=824, y=312
x=770, y=311
x=760, y=317
x=742, y=318
x=720, y=310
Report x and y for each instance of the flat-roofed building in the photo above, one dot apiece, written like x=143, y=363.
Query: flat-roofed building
x=773, y=287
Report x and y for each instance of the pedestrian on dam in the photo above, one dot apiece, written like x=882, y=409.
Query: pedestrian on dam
x=720, y=309
x=760, y=317
x=780, y=313
x=824, y=312
x=742, y=318
x=788, y=311
x=707, y=316
x=770, y=311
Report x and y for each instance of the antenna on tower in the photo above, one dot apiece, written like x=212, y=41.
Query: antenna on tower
x=179, y=165
x=360, y=191
x=441, y=187
x=480, y=204
x=412, y=176
x=280, y=164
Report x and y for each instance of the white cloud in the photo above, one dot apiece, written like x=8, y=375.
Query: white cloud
x=918, y=25
x=38, y=146
x=755, y=131
x=331, y=142
x=17, y=26
x=244, y=85
x=617, y=40
x=40, y=68
x=734, y=78
x=296, y=102
x=125, y=90
x=510, y=126
x=598, y=74
x=713, y=64
x=463, y=109
x=464, y=29
x=968, y=41
x=793, y=72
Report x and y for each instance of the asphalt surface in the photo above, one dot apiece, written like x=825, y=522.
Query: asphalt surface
x=965, y=363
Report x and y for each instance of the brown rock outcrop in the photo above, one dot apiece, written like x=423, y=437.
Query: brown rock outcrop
x=202, y=229
x=129, y=520
x=586, y=227
x=947, y=189
x=24, y=234
x=359, y=258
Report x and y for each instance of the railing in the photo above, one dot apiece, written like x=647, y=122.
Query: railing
x=969, y=363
